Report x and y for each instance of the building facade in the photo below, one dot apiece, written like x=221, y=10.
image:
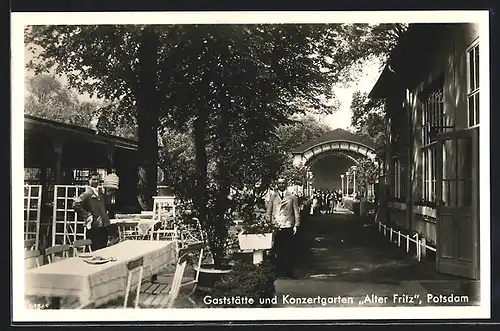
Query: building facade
x=430, y=171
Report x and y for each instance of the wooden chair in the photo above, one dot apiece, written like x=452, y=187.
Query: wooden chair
x=132, y=266
x=29, y=244
x=32, y=259
x=82, y=246
x=163, y=292
x=52, y=252
x=166, y=231
x=128, y=231
x=192, y=233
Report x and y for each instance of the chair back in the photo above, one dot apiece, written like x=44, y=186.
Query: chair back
x=31, y=259
x=192, y=233
x=185, y=255
x=177, y=280
x=165, y=231
x=29, y=244
x=194, y=254
x=137, y=264
x=52, y=252
x=84, y=244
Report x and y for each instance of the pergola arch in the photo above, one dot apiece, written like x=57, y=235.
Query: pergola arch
x=317, y=158
x=341, y=147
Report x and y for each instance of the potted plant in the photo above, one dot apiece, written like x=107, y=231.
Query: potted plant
x=257, y=235
x=186, y=220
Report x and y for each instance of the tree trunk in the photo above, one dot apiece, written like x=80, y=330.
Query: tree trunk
x=148, y=112
x=200, y=144
x=223, y=183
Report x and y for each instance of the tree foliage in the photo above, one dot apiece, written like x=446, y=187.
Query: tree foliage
x=48, y=98
x=366, y=173
x=368, y=117
x=229, y=87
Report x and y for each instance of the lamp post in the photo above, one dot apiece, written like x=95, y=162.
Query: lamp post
x=354, y=180
x=347, y=183
x=309, y=183
x=342, y=183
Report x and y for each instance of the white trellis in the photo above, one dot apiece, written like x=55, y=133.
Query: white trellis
x=32, y=208
x=66, y=225
x=164, y=212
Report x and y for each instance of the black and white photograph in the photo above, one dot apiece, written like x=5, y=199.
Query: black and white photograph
x=229, y=166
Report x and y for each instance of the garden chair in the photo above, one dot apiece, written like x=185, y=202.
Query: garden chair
x=133, y=266
x=166, y=231
x=52, y=252
x=29, y=244
x=160, y=295
x=32, y=259
x=190, y=277
x=192, y=233
x=128, y=231
x=82, y=246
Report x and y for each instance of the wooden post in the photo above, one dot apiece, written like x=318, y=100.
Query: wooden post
x=58, y=149
x=110, y=164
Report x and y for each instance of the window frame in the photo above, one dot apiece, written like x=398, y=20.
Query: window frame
x=473, y=93
x=428, y=150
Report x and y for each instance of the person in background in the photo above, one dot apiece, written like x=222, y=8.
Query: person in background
x=283, y=211
x=331, y=201
x=314, y=204
x=91, y=206
x=339, y=198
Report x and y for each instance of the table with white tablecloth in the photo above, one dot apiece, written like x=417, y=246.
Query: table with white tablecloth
x=99, y=284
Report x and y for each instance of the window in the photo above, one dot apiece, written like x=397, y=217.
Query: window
x=81, y=176
x=32, y=176
x=429, y=155
x=433, y=120
x=399, y=176
x=473, y=84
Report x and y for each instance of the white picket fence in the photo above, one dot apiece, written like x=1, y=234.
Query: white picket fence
x=420, y=243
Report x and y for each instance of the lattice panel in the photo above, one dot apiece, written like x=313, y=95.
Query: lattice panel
x=67, y=227
x=32, y=208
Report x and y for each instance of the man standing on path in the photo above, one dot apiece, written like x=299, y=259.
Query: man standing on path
x=283, y=211
x=91, y=206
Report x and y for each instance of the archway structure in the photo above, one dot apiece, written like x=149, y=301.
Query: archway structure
x=337, y=142
x=328, y=158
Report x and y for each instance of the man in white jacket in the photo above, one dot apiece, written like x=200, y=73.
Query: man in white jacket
x=283, y=210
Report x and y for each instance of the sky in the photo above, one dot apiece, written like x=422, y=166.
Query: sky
x=340, y=119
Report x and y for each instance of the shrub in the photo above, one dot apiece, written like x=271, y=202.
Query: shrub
x=247, y=280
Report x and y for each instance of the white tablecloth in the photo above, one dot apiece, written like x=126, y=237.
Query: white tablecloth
x=99, y=283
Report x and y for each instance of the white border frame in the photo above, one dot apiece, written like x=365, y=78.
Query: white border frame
x=18, y=20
